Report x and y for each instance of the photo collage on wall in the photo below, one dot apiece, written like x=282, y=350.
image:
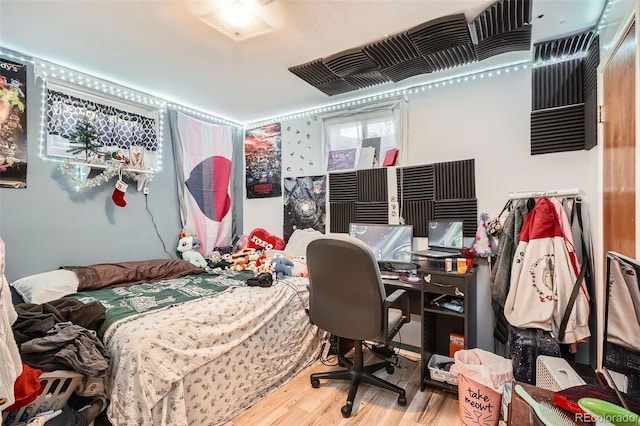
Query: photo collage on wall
x=13, y=124
x=263, y=152
x=304, y=204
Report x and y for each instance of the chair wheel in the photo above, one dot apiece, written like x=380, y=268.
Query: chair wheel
x=315, y=383
x=390, y=369
x=346, y=411
x=402, y=400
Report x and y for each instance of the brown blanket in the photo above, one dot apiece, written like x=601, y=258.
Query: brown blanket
x=110, y=275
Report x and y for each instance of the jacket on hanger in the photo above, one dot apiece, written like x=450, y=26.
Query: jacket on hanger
x=543, y=275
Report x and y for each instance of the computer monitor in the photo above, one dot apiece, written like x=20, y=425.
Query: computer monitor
x=445, y=234
x=389, y=243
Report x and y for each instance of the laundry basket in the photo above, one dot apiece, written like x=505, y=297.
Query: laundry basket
x=58, y=387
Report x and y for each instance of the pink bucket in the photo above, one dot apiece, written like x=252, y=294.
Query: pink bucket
x=479, y=405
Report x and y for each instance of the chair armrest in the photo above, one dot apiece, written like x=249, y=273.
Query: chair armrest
x=398, y=299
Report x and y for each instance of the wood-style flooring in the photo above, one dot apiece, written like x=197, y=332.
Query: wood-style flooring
x=297, y=403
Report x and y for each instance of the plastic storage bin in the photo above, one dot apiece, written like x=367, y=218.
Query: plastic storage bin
x=438, y=374
x=59, y=385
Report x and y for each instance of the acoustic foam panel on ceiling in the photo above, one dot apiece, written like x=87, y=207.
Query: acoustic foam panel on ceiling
x=558, y=129
x=418, y=213
x=440, y=34
x=467, y=210
x=505, y=26
x=342, y=187
x=439, y=44
x=415, y=183
x=342, y=214
x=455, y=179
x=566, y=46
x=372, y=185
x=372, y=212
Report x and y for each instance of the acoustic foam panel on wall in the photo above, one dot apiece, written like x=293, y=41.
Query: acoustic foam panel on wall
x=455, y=179
x=557, y=130
x=439, y=44
x=418, y=214
x=372, y=185
x=416, y=183
x=467, y=210
x=564, y=110
x=372, y=212
x=342, y=214
x=342, y=187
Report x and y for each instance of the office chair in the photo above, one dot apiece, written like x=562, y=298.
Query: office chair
x=347, y=299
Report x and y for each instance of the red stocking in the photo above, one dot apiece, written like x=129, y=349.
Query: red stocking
x=118, y=193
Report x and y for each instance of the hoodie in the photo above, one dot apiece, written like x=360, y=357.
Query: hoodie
x=543, y=274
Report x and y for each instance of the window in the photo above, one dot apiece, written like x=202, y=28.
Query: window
x=122, y=129
x=362, y=139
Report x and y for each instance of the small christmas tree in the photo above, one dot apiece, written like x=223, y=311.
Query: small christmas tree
x=84, y=137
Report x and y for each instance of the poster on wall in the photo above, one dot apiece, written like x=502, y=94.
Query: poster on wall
x=304, y=204
x=263, y=162
x=13, y=124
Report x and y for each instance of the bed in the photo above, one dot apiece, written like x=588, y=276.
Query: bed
x=198, y=348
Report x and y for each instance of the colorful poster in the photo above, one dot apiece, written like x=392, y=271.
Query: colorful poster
x=263, y=161
x=13, y=125
x=304, y=204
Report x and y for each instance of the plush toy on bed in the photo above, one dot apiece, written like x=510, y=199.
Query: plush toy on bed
x=187, y=245
x=282, y=266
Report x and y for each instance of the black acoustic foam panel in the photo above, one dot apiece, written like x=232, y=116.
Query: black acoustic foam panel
x=372, y=213
x=435, y=45
x=558, y=129
x=467, y=210
x=372, y=185
x=418, y=214
x=342, y=187
x=342, y=214
x=563, y=104
x=505, y=26
x=415, y=183
x=455, y=180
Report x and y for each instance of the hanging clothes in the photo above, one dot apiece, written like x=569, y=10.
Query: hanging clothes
x=543, y=275
x=10, y=362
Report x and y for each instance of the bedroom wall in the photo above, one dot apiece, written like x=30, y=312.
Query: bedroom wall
x=485, y=119
x=48, y=224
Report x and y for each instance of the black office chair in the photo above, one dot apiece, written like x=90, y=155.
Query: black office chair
x=347, y=299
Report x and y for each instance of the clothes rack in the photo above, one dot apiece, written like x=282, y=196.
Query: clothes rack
x=537, y=194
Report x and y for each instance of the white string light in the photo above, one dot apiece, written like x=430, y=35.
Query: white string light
x=434, y=84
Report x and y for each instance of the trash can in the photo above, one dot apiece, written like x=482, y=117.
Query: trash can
x=482, y=377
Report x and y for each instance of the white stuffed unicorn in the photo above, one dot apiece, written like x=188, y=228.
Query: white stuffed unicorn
x=187, y=245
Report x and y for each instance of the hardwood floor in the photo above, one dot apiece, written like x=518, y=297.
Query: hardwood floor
x=297, y=403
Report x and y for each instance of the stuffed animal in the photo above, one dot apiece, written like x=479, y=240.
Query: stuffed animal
x=187, y=245
x=282, y=266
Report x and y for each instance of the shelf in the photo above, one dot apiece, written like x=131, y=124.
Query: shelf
x=443, y=311
x=105, y=166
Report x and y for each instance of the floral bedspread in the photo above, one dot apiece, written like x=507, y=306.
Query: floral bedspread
x=204, y=361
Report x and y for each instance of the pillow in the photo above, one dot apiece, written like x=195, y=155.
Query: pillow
x=297, y=245
x=110, y=275
x=47, y=286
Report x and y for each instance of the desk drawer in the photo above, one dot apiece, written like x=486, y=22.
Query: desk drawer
x=440, y=284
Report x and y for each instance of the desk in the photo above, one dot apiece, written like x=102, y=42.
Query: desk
x=437, y=323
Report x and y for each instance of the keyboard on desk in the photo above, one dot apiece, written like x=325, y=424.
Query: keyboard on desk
x=388, y=275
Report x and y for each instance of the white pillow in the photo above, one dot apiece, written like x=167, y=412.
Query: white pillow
x=47, y=286
x=298, y=241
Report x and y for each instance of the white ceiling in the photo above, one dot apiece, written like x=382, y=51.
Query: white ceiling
x=160, y=47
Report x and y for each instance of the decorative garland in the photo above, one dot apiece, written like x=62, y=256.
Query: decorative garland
x=68, y=170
